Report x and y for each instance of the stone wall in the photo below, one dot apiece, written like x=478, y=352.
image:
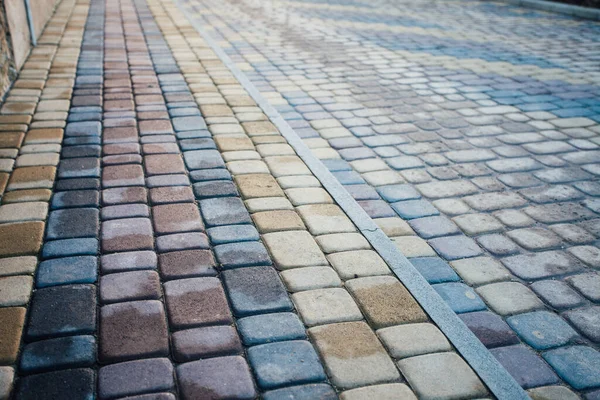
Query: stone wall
x=7, y=65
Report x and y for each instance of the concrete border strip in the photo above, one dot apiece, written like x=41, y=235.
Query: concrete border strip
x=492, y=373
x=558, y=8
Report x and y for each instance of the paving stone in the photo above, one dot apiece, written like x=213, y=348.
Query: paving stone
x=303, y=392
x=129, y=286
x=436, y=226
x=508, y=298
x=577, y=365
x=224, y=211
x=411, y=209
x=146, y=327
x=182, y=241
x=455, y=247
x=73, y=223
x=6, y=381
x=352, y=355
x=13, y=320
x=135, y=377
x=560, y=212
x=157, y=164
x=188, y=123
x=323, y=306
x=260, y=329
x=75, y=198
x=205, y=342
x=130, y=261
x=590, y=255
x=394, y=227
x=360, y=263
x=587, y=285
x=340, y=242
x=541, y=265
x=70, y=247
x=434, y=269
x=475, y=224
x=460, y=297
x=15, y=290
x=21, y=238
x=552, y=392
x=122, y=175
x=32, y=211
x=124, y=195
x=25, y=265
x=235, y=255
x=59, y=353
x=535, y=238
x=413, y=246
x=586, y=321
x=67, y=270
x=171, y=194
x=174, y=218
x=294, y=249
x=196, y=302
x=127, y=234
x=325, y=219
x=72, y=307
x=277, y=220
x=480, y=270
x=286, y=166
x=308, y=278
x=525, y=366
x=258, y=185
x=200, y=159
x=68, y=384
x=413, y=339
x=542, y=330
x=187, y=264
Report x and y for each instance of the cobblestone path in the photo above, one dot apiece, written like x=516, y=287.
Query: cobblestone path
x=160, y=239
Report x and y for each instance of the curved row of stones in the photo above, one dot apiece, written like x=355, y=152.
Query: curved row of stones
x=495, y=173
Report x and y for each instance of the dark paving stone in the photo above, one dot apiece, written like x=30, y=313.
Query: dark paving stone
x=490, y=329
x=71, y=384
x=81, y=151
x=198, y=144
x=68, y=270
x=76, y=198
x=224, y=211
x=146, y=327
x=319, y=391
x=200, y=159
x=211, y=341
x=59, y=353
x=135, y=377
x=73, y=223
x=130, y=261
x=77, y=184
x=187, y=264
x=196, y=302
x=219, y=378
x=528, y=369
x=233, y=234
x=455, y=247
x=586, y=320
x=70, y=247
x=260, y=329
x=284, y=363
x=130, y=286
x=256, y=290
x=152, y=396
x=88, y=167
x=182, y=241
x=460, y=297
x=411, y=209
x=124, y=195
x=62, y=310
x=434, y=269
x=245, y=254
x=209, y=189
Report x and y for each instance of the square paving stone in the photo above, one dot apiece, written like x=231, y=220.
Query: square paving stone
x=245, y=254
x=507, y=298
x=201, y=159
x=187, y=264
x=323, y=219
x=586, y=320
x=21, y=238
x=255, y=290
x=284, y=363
x=323, y=306
x=135, y=377
x=434, y=269
x=145, y=325
x=542, y=330
x=62, y=310
x=385, y=301
x=411, y=209
x=68, y=384
x=455, y=247
x=267, y=328
x=196, y=302
x=480, y=270
x=258, y=185
x=413, y=340
x=319, y=391
x=430, y=227
x=12, y=320
x=122, y=175
x=460, y=297
x=277, y=220
x=579, y=366
x=130, y=261
x=490, y=329
x=528, y=369
x=174, y=218
x=453, y=376
x=127, y=234
x=67, y=270
x=308, y=278
x=211, y=341
x=352, y=354
x=129, y=286
x=294, y=249
x=59, y=353
x=356, y=264
x=161, y=164
x=224, y=211
x=221, y=378
x=73, y=223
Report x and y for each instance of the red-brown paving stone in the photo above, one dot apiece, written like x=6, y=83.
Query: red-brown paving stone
x=161, y=164
x=123, y=175
x=173, y=218
x=124, y=195
x=155, y=127
x=127, y=234
x=171, y=194
x=123, y=148
x=120, y=135
x=187, y=264
x=210, y=341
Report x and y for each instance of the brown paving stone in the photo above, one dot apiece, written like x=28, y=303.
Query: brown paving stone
x=21, y=239
x=155, y=127
x=19, y=196
x=187, y=264
x=11, y=139
x=122, y=175
x=160, y=164
x=3, y=181
x=277, y=220
x=44, y=135
x=32, y=178
x=120, y=135
x=124, y=195
x=171, y=194
x=127, y=234
x=173, y=218
x=12, y=320
x=210, y=341
x=258, y=185
x=260, y=128
x=118, y=105
x=18, y=108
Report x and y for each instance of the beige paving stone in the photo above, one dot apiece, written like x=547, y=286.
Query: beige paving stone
x=234, y=143
x=276, y=149
x=385, y=301
x=260, y=128
x=352, y=355
x=23, y=238
x=12, y=320
x=216, y=111
x=336, y=132
x=304, y=196
x=7, y=376
x=41, y=177
x=24, y=265
x=230, y=156
x=413, y=246
x=507, y=298
x=326, y=306
x=258, y=185
x=53, y=105
x=552, y=393
x=380, y=178
x=268, y=139
x=369, y=165
x=358, y=263
x=389, y=391
x=309, y=278
x=15, y=290
x=268, y=203
x=247, y=167
x=393, y=226
x=478, y=271
x=293, y=249
x=454, y=379
x=475, y=224
x=452, y=206
x=225, y=129
x=19, y=196
x=323, y=219
x=30, y=211
x=298, y=181
x=286, y=166
x=277, y=220
x=339, y=242
x=325, y=154
x=413, y=340
x=30, y=160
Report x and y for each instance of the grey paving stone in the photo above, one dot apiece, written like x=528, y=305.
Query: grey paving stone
x=586, y=321
x=541, y=265
x=455, y=247
x=224, y=211
x=135, y=377
x=246, y=254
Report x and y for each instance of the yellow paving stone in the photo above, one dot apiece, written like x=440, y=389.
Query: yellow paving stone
x=389, y=391
x=266, y=139
x=286, y=166
x=309, y=278
x=323, y=219
x=260, y=128
x=268, y=203
x=247, y=167
x=298, y=181
x=411, y=340
x=15, y=119
x=12, y=321
x=277, y=149
x=258, y=185
x=308, y=195
x=413, y=246
x=293, y=249
x=49, y=135
x=326, y=306
x=340, y=242
x=234, y=143
x=277, y=220
x=358, y=263
x=394, y=226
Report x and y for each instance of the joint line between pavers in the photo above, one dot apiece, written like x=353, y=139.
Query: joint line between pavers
x=498, y=380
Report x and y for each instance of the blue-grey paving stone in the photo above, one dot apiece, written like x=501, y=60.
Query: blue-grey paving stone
x=74, y=141
x=411, y=209
x=593, y=395
x=87, y=167
x=62, y=310
x=59, y=353
x=188, y=123
x=67, y=270
x=73, y=223
x=70, y=247
x=224, y=211
x=71, y=384
x=244, y=254
x=525, y=366
x=498, y=244
x=135, y=377
x=586, y=320
x=77, y=184
x=542, y=330
x=184, y=112
x=393, y=193
x=336, y=164
x=202, y=175
x=232, y=234
x=81, y=151
x=348, y=177
x=557, y=294
x=209, y=189
x=434, y=269
x=167, y=180
x=356, y=153
x=362, y=192
x=182, y=241
x=319, y=391
x=152, y=396
x=86, y=128
x=284, y=363
x=85, y=116
x=455, y=247
x=268, y=328
x=87, y=109
x=256, y=290
x=201, y=159
x=430, y=227
x=200, y=133
x=76, y=198
x=460, y=297
x=490, y=329
x=197, y=144
x=404, y=162
x=377, y=208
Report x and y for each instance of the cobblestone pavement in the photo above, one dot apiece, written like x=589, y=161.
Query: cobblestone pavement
x=160, y=239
